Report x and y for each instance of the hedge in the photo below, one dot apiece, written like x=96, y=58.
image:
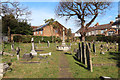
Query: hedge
x=103, y=38
x=27, y=39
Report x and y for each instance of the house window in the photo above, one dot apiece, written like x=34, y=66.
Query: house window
x=37, y=32
x=41, y=32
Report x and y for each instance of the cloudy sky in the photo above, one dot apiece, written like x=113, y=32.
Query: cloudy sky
x=46, y=10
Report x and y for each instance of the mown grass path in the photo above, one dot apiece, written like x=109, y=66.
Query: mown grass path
x=64, y=67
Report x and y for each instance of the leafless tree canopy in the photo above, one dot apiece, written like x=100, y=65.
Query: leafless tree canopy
x=14, y=8
x=81, y=10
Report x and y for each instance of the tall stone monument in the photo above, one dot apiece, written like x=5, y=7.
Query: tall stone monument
x=33, y=52
x=63, y=47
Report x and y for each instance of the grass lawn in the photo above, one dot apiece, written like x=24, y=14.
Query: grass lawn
x=109, y=61
x=49, y=67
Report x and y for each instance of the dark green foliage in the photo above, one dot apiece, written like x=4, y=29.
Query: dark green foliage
x=27, y=39
x=16, y=27
x=103, y=38
x=90, y=38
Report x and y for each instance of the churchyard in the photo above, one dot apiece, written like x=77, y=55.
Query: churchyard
x=60, y=64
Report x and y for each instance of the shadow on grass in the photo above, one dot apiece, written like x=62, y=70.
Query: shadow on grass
x=78, y=62
x=68, y=53
x=39, y=50
x=116, y=56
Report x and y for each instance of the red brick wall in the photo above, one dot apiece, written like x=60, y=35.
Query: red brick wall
x=49, y=31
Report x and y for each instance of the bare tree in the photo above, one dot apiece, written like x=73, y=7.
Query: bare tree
x=14, y=8
x=85, y=12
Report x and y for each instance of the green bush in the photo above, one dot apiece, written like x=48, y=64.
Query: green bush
x=17, y=38
x=103, y=38
x=27, y=39
x=90, y=38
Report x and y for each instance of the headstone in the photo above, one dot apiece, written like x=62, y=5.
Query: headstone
x=83, y=53
x=39, y=41
x=89, y=61
x=33, y=52
x=12, y=47
x=94, y=48
x=48, y=44
x=79, y=53
x=107, y=47
x=27, y=56
x=89, y=45
x=18, y=53
x=101, y=49
x=3, y=68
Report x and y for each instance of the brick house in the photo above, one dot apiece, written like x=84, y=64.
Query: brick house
x=49, y=30
x=105, y=29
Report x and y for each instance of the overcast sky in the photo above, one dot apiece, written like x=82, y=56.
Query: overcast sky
x=46, y=10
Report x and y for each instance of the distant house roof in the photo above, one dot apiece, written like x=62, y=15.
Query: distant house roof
x=40, y=27
x=96, y=27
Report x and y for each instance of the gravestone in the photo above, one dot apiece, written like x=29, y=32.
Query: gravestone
x=18, y=53
x=79, y=53
x=3, y=68
x=39, y=41
x=101, y=49
x=12, y=47
x=27, y=56
x=48, y=44
x=89, y=61
x=83, y=53
x=89, y=45
x=107, y=46
x=94, y=48
x=33, y=52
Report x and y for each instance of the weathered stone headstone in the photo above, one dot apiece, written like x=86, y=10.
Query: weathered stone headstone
x=89, y=61
x=94, y=48
x=89, y=45
x=18, y=53
x=48, y=44
x=101, y=49
x=27, y=56
x=83, y=53
x=3, y=68
x=79, y=53
x=12, y=47
x=107, y=47
x=33, y=52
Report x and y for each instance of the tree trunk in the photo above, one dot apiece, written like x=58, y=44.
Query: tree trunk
x=83, y=37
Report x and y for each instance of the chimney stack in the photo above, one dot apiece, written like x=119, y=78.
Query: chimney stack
x=97, y=24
